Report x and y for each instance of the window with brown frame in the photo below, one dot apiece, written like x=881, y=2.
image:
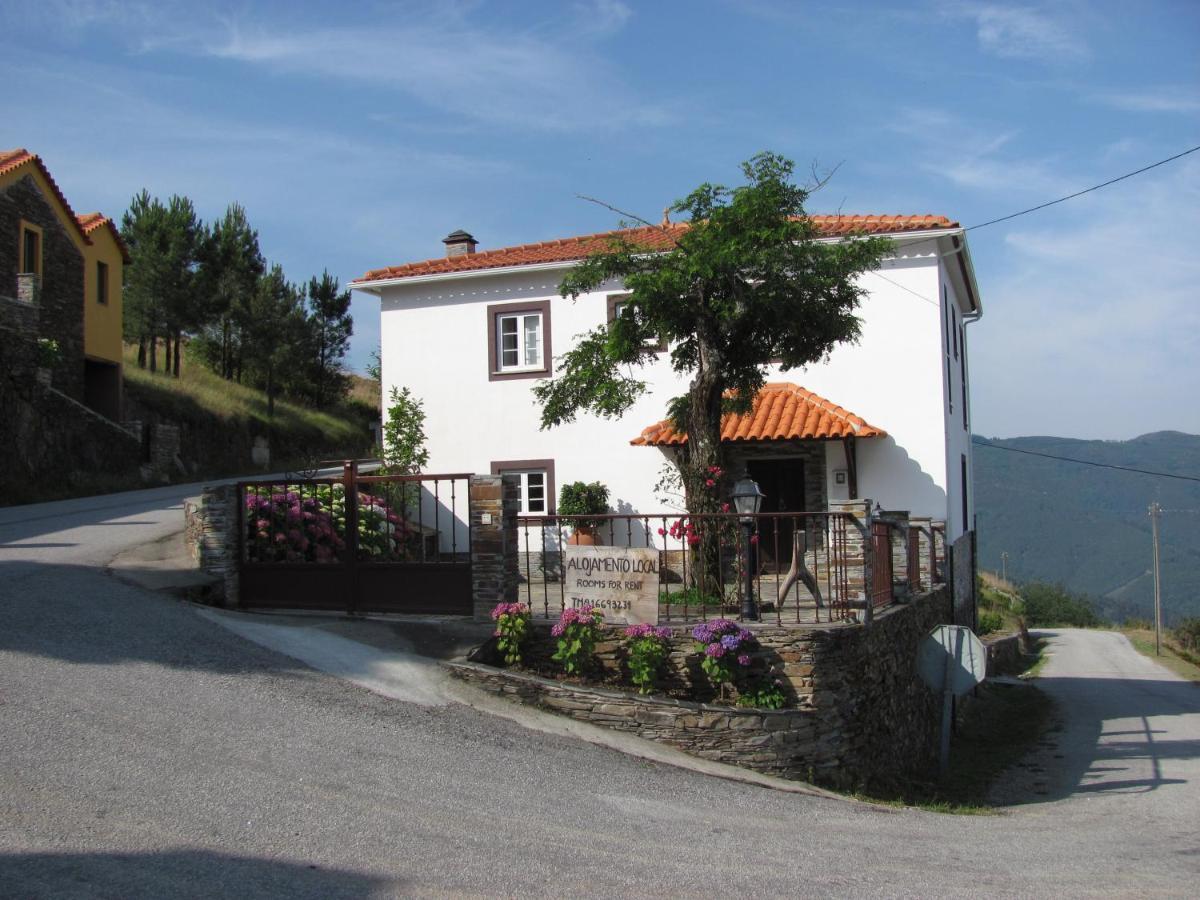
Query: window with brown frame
x=537, y=483
x=617, y=304
x=519, y=340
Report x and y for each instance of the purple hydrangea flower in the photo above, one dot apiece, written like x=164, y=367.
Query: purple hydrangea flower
x=716, y=651
x=744, y=660
x=730, y=641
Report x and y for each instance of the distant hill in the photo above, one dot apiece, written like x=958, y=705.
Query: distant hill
x=1088, y=527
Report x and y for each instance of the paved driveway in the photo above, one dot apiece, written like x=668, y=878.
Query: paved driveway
x=146, y=751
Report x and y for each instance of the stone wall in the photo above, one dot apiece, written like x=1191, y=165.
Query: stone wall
x=211, y=534
x=860, y=712
x=1004, y=651
x=59, y=292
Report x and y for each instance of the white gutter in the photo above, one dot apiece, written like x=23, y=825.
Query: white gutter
x=375, y=285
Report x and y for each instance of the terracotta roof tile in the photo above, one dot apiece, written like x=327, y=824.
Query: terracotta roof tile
x=89, y=222
x=14, y=159
x=650, y=237
x=781, y=412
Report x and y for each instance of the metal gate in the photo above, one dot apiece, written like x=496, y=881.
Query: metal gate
x=358, y=543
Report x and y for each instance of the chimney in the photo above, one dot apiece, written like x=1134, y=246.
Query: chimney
x=459, y=243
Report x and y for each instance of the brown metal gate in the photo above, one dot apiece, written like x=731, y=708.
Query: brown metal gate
x=358, y=543
x=881, y=573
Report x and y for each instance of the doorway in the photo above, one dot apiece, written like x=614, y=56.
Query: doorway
x=782, y=484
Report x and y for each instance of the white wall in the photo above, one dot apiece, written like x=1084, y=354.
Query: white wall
x=958, y=433
x=435, y=342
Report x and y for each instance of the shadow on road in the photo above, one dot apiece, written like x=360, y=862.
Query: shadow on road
x=1112, y=739
x=179, y=874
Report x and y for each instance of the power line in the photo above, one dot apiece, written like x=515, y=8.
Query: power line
x=1085, y=462
x=1095, y=187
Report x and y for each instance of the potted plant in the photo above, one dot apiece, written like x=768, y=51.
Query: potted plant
x=582, y=499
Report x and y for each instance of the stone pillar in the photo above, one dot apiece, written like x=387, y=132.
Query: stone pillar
x=212, y=536
x=940, y=556
x=924, y=523
x=858, y=554
x=897, y=520
x=493, y=506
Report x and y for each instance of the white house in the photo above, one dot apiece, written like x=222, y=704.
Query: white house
x=888, y=418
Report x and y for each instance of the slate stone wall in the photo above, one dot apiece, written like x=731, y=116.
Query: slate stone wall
x=210, y=525
x=859, y=711
x=59, y=295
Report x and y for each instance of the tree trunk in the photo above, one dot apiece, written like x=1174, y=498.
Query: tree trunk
x=704, y=455
x=177, y=342
x=167, y=352
x=142, y=352
x=154, y=353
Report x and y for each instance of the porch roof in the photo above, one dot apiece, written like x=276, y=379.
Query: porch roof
x=782, y=412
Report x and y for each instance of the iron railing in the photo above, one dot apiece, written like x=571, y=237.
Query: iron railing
x=799, y=563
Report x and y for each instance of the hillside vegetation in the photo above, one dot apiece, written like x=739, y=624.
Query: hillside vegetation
x=1087, y=528
x=220, y=419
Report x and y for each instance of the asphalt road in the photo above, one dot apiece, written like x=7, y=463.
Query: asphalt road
x=146, y=751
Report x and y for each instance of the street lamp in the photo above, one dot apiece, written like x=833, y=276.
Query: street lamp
x=747, y=500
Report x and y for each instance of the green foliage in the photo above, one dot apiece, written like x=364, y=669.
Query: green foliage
x=1052, y=604
x=690, y=596
x=48, y=353
x=766, y=693
x=576, y=632
x=330, y=326
x=646, y=650
x=404, y=449
x=375, y=367
x=744, y=285
x=1187, y=634
x=512, y=627
x=581, y=498
x=989, y=622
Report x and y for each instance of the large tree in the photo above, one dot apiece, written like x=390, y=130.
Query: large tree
x=745, y=283
x=230, y=267
x=330, y=326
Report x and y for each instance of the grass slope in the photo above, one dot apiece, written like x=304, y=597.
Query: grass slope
x=226, y=411
x=1087, y=527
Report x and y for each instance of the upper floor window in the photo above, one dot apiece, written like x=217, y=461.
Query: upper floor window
x=102, y=283
x=617, y=305
x=31, y=248
x=519, y=340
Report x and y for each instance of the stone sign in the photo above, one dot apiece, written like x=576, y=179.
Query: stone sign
x=619, y=581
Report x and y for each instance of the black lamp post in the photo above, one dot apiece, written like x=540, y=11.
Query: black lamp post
x=747, y=500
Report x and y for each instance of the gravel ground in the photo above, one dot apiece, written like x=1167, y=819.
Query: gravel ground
x=147, y=752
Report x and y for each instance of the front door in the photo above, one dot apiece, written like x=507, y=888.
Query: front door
x=782, y=484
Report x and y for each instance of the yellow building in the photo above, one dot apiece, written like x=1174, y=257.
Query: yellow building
x=69, y=271
x=103, y=264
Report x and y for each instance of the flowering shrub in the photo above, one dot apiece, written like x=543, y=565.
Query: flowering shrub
x=512, y=623
x=648, y=648
x=290, y=525
x=726, y=648
x=765, y=694
x=576, y=633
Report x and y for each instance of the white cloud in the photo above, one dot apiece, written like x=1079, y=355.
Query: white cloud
x=1091, y=326
x=511, y=79
x=1156, y=100
x=1022, y=32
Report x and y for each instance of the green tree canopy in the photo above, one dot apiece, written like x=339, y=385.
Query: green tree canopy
x=745, y=284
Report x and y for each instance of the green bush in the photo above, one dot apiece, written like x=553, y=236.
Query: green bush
x=989, y=622
x=580, y=498
x=1187, y=634
x=1048, y=605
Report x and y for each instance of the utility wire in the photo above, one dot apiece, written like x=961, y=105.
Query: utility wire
x=1095, y=187
x=1084, y=462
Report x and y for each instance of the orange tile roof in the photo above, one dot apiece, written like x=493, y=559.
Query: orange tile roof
x=781, y=412
x=89, y=222
x=650, y=237
x=14, y=159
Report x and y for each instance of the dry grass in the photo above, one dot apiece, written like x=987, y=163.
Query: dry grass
x=199, y=390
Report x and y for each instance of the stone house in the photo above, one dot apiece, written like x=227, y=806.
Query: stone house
x=887, y=418
x=61, y=275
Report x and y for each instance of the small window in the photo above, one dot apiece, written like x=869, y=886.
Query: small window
x=102, y=283
x=537, y=483
x=31, y=249
x=519, y=341
x=617, y=304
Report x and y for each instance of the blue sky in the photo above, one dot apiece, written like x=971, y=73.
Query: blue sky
x=358, y=135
